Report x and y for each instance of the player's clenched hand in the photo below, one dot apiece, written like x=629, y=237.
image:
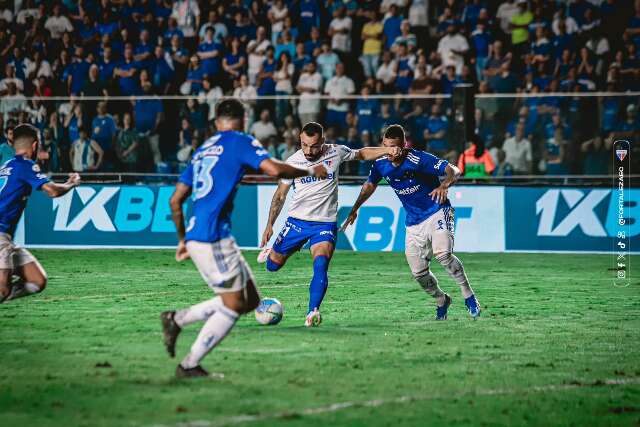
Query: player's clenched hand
x=350, y=220
x=181, y=252
x=439, y=194
x=268, y=232
x=394, y=152
x=74, y=179
x=319, y=171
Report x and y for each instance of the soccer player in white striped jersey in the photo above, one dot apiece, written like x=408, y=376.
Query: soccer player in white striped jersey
x=313, y=211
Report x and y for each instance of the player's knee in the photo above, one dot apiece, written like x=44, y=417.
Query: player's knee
x=421, y=273
x=444, y=258
x=273, y=265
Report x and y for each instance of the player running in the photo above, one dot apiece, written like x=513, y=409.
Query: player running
x=313, y=211
x=19, y=176
x=211, y=179
x=414, y=176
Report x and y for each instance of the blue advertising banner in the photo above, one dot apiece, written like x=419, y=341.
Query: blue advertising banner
x=488, y=219
x=568, y=219
x=120, y=216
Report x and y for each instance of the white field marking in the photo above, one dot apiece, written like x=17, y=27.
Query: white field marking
x=374, y=403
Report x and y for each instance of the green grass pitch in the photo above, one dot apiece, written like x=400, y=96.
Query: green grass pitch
x=557, y=344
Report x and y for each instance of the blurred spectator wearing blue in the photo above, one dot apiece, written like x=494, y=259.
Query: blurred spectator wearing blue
x=126, y=71
x=435, y=135
x=210, y=54
x=391, y=26
x=327, y=62
x=367, y=111
x=149, y=114
x=482, y=41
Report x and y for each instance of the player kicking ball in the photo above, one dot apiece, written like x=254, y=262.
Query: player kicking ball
x=211, y=180
x=415, y=177
x=313, y=212
x=20, y=176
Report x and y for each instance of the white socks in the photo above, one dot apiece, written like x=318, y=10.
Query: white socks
x=212, y=333
x=454, y=267
x=198, y=312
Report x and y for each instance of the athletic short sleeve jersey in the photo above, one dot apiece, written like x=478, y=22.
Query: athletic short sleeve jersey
x=18, y=178
x=412, y=181
x=214, y=172
x=316, y=199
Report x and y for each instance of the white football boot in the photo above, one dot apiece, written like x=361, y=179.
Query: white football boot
x=313, y=319
x=263, y=255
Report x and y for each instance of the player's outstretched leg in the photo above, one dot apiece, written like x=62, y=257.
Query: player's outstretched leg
x=174, y=321
x=321, y=253
x=454, y=267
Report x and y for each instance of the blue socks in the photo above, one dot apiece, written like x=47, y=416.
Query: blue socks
x=319, y=283
x=272, y=266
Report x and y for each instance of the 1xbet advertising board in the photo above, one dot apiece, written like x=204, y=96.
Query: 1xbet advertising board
x=487, y=219
x=118, y=216
x=570, y=219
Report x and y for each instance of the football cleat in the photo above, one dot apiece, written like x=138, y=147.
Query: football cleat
x=441, y=312
x=263, y=255
x=473, y=306
x=170, y=331
x=194, y=372
x=313, y=319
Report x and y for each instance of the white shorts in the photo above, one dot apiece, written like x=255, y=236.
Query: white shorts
x=432, y=236
x=11, y=255
x=220, y=264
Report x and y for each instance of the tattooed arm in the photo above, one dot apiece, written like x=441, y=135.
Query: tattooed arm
x=276, y=206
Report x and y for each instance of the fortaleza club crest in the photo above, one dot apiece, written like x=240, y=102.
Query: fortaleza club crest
x=621, y=154
x=328, y=162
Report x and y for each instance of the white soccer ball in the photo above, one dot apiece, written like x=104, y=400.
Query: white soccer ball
x=269, y=312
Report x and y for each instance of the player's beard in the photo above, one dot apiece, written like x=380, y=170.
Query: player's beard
x=316, y=157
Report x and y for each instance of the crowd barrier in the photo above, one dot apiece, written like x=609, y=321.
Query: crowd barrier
x=487, y=218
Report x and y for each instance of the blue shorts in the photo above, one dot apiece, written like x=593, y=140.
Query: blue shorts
x=297, y=232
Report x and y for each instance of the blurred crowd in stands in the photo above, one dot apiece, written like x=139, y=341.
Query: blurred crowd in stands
x=147, y=49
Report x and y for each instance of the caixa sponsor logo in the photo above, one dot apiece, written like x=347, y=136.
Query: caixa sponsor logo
x=596, y=213
x=114, y=209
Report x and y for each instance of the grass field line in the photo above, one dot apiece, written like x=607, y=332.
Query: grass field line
x=373, y=403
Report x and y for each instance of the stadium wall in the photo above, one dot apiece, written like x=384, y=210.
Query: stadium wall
x=488, y=218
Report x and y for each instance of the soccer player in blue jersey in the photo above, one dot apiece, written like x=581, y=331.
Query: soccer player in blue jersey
x=421, y=181
x=19, y=176
x=211, y=179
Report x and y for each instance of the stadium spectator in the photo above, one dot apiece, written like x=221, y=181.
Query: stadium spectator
x=336, y=87
x=327, y=62
x=453, y=47
x=518, y=152
x=264, y=128
x=283, y=77
x=391, y=26
x=387, y=72
x=104, y=133
x=86, y=154
x=340, y=31
x=48, y=153
x=148, y=117
x=372, y=43
x=127, y=144
x=435, y=135
x=58, y=24
x=553, y=155
x=502, y=167
x=187, y=15
x=475, y=161
x=309, y=87
x=6, y=149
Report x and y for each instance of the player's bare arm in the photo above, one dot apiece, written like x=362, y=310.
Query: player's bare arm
x=54, y=190
x=277, y=203
x=452, y=173
x=179, y=196
x=365, y=192
x=373, y=153
x=278, y=169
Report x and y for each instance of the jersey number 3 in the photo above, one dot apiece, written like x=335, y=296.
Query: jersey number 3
x=203, y=179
